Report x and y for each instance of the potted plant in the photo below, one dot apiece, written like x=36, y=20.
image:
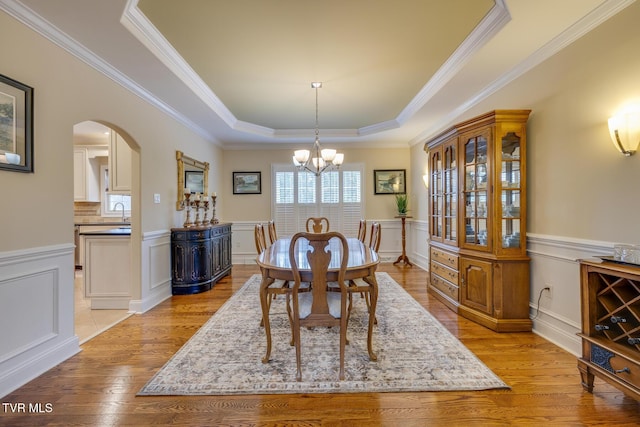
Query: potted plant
x=402, y=204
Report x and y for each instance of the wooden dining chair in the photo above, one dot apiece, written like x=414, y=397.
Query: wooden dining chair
x=318, y=307
x=362, y=230
x=360, y=285
x=374, y=238
x=259, y=238
x=271, y=227
x=317, y=225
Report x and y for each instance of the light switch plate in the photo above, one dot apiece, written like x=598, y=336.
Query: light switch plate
x=156, y=198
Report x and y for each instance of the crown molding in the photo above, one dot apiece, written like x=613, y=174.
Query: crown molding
x=596, y=17
x=47, y=30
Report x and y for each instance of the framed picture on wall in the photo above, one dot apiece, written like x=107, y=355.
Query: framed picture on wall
x=247, y=183
x=389, y=181
x=194, y=181
x=16, y=125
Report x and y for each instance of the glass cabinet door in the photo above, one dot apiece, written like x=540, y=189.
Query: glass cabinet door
x=435, y=194
x=450, y=193
x=511, y=187
x=476, y=190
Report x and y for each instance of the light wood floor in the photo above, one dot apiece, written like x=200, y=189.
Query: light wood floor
x=90, y=323
x=98, y=386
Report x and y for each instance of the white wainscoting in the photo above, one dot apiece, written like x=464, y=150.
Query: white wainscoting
x=155, y=271
x=36, y=313
x=555, y=262
x=244, y=248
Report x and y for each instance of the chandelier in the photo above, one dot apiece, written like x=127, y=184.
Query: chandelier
x=318, y=159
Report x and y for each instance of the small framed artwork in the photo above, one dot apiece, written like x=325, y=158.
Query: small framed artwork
x=247, y=183
x=16, y=125
x=389, y=181
x=194, y=181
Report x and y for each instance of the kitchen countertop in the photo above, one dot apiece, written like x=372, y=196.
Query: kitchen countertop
x=110, y=223
x=120, y=231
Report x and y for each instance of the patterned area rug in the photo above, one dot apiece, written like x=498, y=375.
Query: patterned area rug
x=415, y=352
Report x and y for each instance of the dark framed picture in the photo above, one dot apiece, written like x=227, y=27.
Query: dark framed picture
x=247, y=183
x=16, y=125
x=194, y=181
x=389, y=181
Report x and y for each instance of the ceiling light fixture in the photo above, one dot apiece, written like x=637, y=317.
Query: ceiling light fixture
x=317, y=160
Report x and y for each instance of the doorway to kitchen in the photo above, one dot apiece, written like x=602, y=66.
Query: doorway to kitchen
x=103, y=210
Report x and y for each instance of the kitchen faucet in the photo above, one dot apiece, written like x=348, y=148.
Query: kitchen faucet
x=116, y=206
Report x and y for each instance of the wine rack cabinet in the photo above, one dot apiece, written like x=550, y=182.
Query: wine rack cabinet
x=610, y=298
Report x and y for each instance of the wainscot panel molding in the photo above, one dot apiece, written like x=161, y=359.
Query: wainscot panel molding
x=554, y=262
x=418, y=243
x=36, y=309
x=155, y=271
x=244, y=248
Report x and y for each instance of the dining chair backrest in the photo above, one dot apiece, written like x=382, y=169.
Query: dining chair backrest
x=273, y=236
x=362, y=230
x=374, y=239
x=319, y=307
x=317, y=225
x=259, y=237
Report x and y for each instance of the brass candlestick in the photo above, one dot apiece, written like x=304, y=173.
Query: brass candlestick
x=187, y=206
x=196, y=204
x=214, y=220
x=205, y=220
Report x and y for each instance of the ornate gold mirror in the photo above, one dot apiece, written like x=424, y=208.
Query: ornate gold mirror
x=193, y=175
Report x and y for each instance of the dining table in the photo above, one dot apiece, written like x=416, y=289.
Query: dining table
x=274, y=265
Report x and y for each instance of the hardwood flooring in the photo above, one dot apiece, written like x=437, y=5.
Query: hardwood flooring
x=98, y=386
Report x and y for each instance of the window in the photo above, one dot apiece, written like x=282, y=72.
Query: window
x=110, y=205
x=336, y=195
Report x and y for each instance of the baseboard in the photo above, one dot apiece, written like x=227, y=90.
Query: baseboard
x=38, y=365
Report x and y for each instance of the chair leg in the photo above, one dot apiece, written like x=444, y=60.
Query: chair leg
x=288, y=302
x=296, y=332
x=343, y=342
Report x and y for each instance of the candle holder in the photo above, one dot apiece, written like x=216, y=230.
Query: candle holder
x=205, y=220
x=214, y=220
x=186, y=203
x=196, y=204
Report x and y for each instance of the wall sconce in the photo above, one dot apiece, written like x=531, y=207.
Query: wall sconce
x=425, y=178
x=625, y=132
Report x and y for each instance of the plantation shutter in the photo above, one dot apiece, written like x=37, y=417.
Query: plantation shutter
x=336, y=195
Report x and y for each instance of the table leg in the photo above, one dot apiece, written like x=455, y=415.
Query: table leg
x=264, y=303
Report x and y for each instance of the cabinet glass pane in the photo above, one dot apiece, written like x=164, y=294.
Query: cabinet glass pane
x=470, y=151
x=469, y=177
x=510, y=233
x=510, y=147
x=482, y=150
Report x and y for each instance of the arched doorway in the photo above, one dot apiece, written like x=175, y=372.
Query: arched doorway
x=106, y=220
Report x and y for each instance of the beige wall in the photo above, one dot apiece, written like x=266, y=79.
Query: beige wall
x=258, y=207
x=38, y=208
x=580, y=186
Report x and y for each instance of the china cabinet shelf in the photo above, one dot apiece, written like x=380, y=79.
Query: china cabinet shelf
x=477, y=220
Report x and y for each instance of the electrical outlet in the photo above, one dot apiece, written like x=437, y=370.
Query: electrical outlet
x=548, y=290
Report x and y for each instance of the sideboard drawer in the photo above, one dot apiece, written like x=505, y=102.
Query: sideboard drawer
x=444, y=286
x=445, y=272
x=446, y=258
x=623, y=368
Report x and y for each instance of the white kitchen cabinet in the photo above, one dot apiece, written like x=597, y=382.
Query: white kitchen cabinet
x=86, y=176
x=107, y=270
x=119, y=164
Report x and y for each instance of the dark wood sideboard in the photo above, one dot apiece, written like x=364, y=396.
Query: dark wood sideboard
x=200, y=256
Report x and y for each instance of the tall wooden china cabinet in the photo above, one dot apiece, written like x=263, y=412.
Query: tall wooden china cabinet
x=477, y=195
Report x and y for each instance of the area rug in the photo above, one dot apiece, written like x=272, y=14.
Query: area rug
x=415, y=352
